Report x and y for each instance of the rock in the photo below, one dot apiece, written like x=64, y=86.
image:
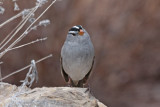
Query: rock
x=13, y=96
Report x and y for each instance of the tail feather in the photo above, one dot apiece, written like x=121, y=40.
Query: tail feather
x=76, y=83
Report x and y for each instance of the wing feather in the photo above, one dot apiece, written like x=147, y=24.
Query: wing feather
x=64, y=74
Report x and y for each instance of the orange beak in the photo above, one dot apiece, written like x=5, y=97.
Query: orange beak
x=81, y=32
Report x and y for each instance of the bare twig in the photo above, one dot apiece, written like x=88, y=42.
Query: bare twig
x=26, y=31
x=25, y=67
x=19, y=27
x=11, y=19
x=31, y=75
x=35, y=41
x=24, y=20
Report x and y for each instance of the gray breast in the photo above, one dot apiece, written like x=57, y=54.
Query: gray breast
x=77, y=59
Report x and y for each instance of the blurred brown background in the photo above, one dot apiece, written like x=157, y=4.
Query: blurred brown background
x=126, y=37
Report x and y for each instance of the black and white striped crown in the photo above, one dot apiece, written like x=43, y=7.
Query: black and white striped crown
x=76, y=28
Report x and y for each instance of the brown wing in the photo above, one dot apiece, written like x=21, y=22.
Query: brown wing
x=64, y=74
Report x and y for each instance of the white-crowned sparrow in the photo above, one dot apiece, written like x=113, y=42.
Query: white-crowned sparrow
x=77, y=57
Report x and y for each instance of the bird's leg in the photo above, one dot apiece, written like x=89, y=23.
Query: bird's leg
x=69, y=83
x=80, y=84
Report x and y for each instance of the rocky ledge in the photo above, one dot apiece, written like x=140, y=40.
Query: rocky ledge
x=13, y=96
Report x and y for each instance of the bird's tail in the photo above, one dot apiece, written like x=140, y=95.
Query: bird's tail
x=76, y=83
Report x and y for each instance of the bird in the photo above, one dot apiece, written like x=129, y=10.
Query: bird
x=77, y=57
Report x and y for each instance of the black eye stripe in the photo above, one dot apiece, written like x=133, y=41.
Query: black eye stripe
x=74, y=29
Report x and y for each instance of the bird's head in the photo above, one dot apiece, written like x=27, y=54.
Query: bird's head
x=76, y=30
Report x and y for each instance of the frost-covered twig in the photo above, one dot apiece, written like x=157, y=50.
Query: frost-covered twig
x=25, y=67
x=41, y=2
x=1, y=2
x=17, y=29
x=31, y=75
x=41, y=23
x=1, y=10
x=16, y=7
x=11, y=19
x=35, y=41
x=26, y=31
x=44, y=22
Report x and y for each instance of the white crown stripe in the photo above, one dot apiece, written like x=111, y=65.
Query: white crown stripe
x=75, y=27
x=72, y=31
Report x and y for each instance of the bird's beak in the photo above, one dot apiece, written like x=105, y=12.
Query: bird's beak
x=81, y=32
